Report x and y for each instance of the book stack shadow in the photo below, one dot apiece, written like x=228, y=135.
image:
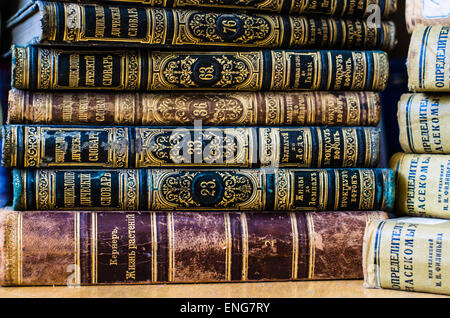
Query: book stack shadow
x=203, y=143
x=410, y=252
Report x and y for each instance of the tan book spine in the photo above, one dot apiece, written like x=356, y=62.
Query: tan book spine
x=212, y=108
x=426, y=12
x=411, y=254
x=422, y=186
x=422, y=121
x=428, y=57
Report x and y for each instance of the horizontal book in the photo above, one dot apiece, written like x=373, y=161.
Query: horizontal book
x=52, y=23
x=351, y=189
x=422, y=185
x=426, y=12
x=172, y=147
x=145, y=70
x=407, y=253
x=90, y=248
x=428, y=53
x=184, y=108
x=422, y=120
x=347, y=8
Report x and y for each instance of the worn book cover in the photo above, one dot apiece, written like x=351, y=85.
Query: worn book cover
x=427, y=59
x=407, y=253
x=90, y=248
x=422, y=121
x=426, y=12
x=185, y=108
x=35, y=146
x=422, y=184
x=344, y=8
x=52, y=23
x=259, y=189
x=146, y=70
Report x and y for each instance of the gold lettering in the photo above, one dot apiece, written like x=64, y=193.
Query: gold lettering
x=90, y=70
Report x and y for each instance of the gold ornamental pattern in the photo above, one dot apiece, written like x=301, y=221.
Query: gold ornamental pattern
x=219, y=29
x=215, y=190
x=210, y=108
x=208, y=71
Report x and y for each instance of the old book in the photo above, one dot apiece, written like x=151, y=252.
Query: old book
x=183, y=109
x=145, y=70
x=422, y=184
x=428, y=53
x=52, y=23
x=422, y=120
x=89, y=248
x=426, y=12
x=407, y=253
x=345, y=8
x=36, y=146
x=259, y=189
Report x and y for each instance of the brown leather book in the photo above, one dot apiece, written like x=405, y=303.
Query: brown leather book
x=90, y=248
x=184, y=108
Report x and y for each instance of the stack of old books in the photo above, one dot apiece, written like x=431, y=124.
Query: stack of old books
x=206, y=135
x=412, y=253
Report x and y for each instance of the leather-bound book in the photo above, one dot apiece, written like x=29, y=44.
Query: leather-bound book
x=90, y=248
x=146, y=70
x=259, y=189
x=340, y=8
x=33, y=146
x=184, y=108
x=52, y=23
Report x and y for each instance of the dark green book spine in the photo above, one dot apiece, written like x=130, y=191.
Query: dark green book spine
x=352, y=189
x=145, y=70
x=85, y=24
x=152, y=147
x=347, y=8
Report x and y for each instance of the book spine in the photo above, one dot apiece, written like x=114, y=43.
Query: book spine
x=428, y=52
x=347, y=8
x=426, y=12
x=153, y=147
x=349, y=189
x=95, y=248
x=84, y=24
x=407, y=254
x=41, y=68
x=422, y=184
x=183, y=109
x=421, y=118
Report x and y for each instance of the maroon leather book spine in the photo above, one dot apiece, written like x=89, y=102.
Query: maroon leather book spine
x=90, y=248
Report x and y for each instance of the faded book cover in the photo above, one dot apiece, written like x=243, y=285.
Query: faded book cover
x=184, y=109
x=426, y=12
x=97, y=248
x=52, y=23
x=407, y=253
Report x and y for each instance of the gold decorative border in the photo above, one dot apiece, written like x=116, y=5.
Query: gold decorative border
x=295, y=247
x=229, y=243
x=244, y=229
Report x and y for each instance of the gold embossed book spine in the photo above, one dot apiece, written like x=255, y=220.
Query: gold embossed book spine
x=261, y=189
x=144, y=70
x=98, y=25
x=340, y=8
x=183, y=109
x=97, y=248
x=37, y=146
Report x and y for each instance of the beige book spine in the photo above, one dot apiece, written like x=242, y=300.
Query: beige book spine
x=422, y=184
x=411, y=254
x=429, y=53
x=426, y=12
x=422, y=122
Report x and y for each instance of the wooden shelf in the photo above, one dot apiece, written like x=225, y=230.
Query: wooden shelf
x=316, y=289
